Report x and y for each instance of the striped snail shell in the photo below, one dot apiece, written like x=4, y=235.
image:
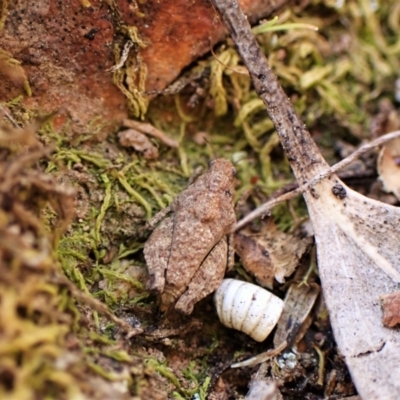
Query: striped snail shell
x=247, y=308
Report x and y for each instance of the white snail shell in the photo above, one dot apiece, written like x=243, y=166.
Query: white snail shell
x=247, y=308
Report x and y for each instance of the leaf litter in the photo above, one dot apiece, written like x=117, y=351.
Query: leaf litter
x=270, y=254
x=357, y=237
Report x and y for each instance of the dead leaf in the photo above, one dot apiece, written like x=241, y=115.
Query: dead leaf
x=389, y=167
x=356, y=241
x=270, y=253
x=255, y=259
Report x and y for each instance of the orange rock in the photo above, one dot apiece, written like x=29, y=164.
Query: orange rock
x=66, y=49
x=178, y=32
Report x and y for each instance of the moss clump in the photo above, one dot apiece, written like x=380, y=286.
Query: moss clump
x=35, y=315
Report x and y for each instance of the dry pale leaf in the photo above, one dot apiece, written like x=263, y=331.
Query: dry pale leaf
x=389, y=167
x=357, y=238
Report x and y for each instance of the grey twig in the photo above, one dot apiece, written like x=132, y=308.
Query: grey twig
x=303, y=154
x=266, y=207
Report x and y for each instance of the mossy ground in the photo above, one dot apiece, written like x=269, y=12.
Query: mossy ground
x=55, y=342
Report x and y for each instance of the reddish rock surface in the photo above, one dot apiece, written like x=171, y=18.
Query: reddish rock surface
x=178, y=32
x=66, y=49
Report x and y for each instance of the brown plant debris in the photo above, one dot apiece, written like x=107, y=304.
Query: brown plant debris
x=299, y=301
x=139, y=141
x=269, y=253
x=151, y=130
x=389, y=167
x=391, y=309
